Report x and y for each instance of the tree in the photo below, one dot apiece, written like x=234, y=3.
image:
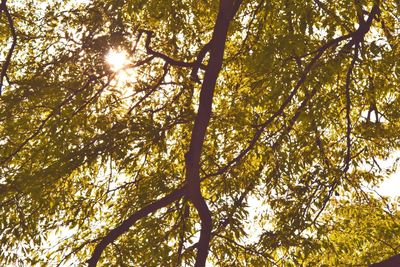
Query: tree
x=155, y=162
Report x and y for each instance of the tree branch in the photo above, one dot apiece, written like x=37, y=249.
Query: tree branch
x=197, y=64
x=348, y=109
x=285, y=103
x=391, y=262
x=227, y=10
x=44, y=121
x=297, y=114
x=3, y=8
x=185, y=215
x=357, y=35
x=125, y=225
x=167, y=59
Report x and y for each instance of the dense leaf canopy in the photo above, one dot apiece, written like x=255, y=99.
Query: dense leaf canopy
x=129, y=165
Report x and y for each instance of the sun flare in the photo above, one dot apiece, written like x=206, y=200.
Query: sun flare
x=117, y=59
x=125, y=76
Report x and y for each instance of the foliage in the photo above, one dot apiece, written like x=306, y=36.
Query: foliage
x=305, y=105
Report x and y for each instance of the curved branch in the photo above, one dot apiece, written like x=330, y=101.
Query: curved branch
x=167, y=59
x=207, y=47
x=197, y=64
x=285, y=103
x=227, y=10
x=356, y=37
x=125, y=225
x=293, y=120
x=185, y=215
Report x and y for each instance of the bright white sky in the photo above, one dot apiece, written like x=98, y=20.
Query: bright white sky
x=391, y=186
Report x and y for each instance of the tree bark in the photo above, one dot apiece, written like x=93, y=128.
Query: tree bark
x=227, y=9
x=391, y=262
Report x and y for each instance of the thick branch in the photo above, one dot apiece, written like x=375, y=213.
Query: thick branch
x=391, y=262
x=206, y=48
x=225, y=222
x=363, y=27
x=227, y=10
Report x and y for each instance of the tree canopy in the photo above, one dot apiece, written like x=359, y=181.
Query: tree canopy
x=175, y=133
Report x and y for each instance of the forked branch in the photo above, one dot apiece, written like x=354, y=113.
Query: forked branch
x=191, y=190
x=196, y=65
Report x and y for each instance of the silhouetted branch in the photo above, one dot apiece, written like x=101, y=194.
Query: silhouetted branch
x=363, y=28
x=321, y=148
x=75, y=250
x=166, y=58
x=44, y=121
x=348, y=133
x=197, y=64
x=358, y=35
x=225, y=222
x=357, y=38
x=297, y=114
x=185, y=215
x=151, y=90
x=227, y=10
x=3, y=8
x=391, y=262
x=125, y=225
x=285, y=103
x=348, y=109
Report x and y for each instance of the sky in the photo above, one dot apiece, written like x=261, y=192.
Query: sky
x=391, y=186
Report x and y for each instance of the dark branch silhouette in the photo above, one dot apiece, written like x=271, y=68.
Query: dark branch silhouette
x=191, y=190
x=356, y=35
x=166, y=58
x=3, y=74
x=348, y=109
x=286, y=102
x=197, y=64
x=391, y=262
x=227, y=10
x=124, y=226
